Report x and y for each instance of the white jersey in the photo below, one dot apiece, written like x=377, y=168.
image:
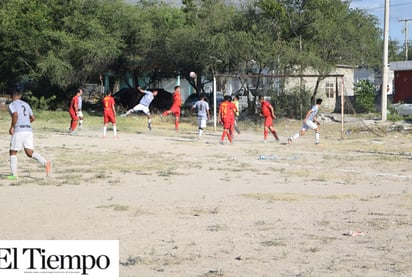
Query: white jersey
x=79, y=102
x=202, y=107
x=24, y=112
x=147, y=98
x=314, y=112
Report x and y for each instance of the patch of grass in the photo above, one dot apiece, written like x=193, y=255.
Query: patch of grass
x=286, y=197
x=339, y=196
x=274, y=242
x=116, y=207
x=216, y=228
x=167, y=172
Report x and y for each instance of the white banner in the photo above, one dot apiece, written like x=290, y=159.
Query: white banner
x=91, y=258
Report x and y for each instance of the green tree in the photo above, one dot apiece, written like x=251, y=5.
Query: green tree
x=365, y=94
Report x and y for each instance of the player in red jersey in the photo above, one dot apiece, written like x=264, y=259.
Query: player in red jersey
x=109, y=113
x=74, y=109
x=175, y=108
x=268, y=112
x=226, y=116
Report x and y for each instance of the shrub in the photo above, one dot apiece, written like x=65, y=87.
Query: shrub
x=364, y=96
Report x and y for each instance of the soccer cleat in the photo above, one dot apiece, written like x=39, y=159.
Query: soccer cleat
x=48, y=168
x=289, y=140
x=12, y=177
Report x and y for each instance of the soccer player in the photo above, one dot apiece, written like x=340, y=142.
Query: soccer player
x=74, y=109
x=79, y=112
x=175, y=108
x=203, y=113
x=22, y=134
x=268, y=112
x=226, y=116
x=236, y=103
x=310, y=122
x=109, y=113
x=144, y=105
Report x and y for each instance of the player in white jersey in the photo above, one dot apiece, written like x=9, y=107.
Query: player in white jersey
x=144, y=105
x=203, y=114
x=310, y=122
x=22, y=134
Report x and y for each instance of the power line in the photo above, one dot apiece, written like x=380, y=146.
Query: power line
x=392, y=5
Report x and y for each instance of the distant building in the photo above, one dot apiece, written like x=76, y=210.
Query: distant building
x=402, y=82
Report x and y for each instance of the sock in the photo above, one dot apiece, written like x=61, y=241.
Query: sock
x=13, y=165
x=177, y=123
x=200, y=132
x=223, y=135
x=104, y=131
x=80, y=123
x=114, y=131
x=229, y=137
x=275, y=134
x=39, y=158
x=317, y=137
x=73, y=126
x=295, y=136
x=265, y=134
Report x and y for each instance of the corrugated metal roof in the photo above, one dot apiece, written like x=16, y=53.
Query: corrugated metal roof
x=401, y=66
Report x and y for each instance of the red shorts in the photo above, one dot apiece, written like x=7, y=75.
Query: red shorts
x=268, y=121
x=109, y=117
x=73, y=115
x=227, y=123
x=175, y=110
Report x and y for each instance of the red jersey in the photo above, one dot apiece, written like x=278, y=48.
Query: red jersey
x=108, y=103
x=266, y=109
x=74, y=104
x=108, y=110
x=177, y=100
x=227, y=110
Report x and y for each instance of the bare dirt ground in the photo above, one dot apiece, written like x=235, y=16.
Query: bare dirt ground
x=184, y=207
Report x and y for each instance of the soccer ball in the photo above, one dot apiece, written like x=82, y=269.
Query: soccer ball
x=192, y=75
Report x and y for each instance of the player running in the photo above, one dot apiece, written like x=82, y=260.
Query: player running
x=268, y=112
x=226, y=117
x=310, y=122
x=22, y=134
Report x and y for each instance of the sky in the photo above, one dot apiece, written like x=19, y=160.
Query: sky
x=398, y=9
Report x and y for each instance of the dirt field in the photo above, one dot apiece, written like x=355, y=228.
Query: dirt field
x=184, y=207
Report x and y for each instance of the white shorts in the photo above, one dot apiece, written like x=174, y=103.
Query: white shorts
x=143, y=108
x=80, y=114
x=201, y=122
x=21, y=140
x=309, y=125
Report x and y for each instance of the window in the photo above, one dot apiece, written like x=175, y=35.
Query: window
x=330, y=89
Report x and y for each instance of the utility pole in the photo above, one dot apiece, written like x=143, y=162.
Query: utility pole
x=384, y=92
x=405, y=29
